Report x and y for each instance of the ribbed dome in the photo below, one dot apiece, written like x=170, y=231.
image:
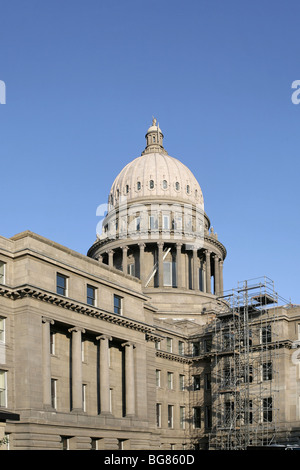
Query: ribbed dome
x=159, y=176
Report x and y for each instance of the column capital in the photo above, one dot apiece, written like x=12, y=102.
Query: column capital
x=124, y=248
x=104, y=337
x=179, y=245
x=128, y=343
x=160, y=244
x=76, y=329
x=142, y=245
x=47, y=320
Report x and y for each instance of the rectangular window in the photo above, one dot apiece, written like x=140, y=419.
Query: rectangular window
x=266, y=334
x=196, y=417
x=2, y=272
x=267, y=371
x=53, y=393
x=196, y=382
x=168, y=273
x=138, y=224
x=158, y=415
x=170, y=380
x=170, y=416
x=181, y=382
x=61, y=284
x=153, y=222
x=91, y=295
x=2, y=330
x=166, y=222
x=157, y=344
x=157, y=378
x=182, y=417
x=3, y=389
x=207, y=379
x=267, y=410
x=84, y=397
x=196, y=349
x=131, y=269
x=207, y=417
x=181, y=347
x=118, y=304
x=169, y=345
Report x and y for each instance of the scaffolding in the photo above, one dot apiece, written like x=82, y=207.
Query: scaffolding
x=245, y=368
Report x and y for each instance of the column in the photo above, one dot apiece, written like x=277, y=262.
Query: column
x=111, y=258
x=221, y=278
x=195, y=270
x=142, y=263
x=100, y=258
x=160, y=246
x=105, y=405
x=216, y=275
x=46, y=361
x=208, y=272
x=76, y=368
x=124, y=259
x=178, y=265
x=129, y=379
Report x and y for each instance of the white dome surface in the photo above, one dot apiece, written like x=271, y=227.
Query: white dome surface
x=159, y=176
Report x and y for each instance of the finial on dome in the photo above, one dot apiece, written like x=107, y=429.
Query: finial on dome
x=154, y=139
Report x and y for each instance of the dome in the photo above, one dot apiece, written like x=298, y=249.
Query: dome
x=156, y=175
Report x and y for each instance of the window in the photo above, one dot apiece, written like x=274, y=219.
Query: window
x=196, y=417
x=127, y=189
x=207, y=379
x=153, y=222
x=182, y=417
x=169, y=344
x=91, y=295
x=131, y=269
x=157, y=344
x=188, y=189
x=196, y=382
x=65, y=441
x=266, y=334
x=166, y=221
x=2, y=330
x=53, y=393
x=267, y=371
x=151, y=184
x=118, y=304
x=61, y=284
x=2, y=272
x=207, y=417
x=52, y=342
x=170, y=415
x=165, y=184
x=177, y=186
x=138, y=224
x=3, y=390
x=181, y=347
x=170, y=380
x=196, y=349
x=84, y=397
x=158, y=415
x=157, y=378
x=138, y=185
x=168, y=273
x=181, y=382
x=267, y=409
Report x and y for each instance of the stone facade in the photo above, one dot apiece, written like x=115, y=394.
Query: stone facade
x=98, y=351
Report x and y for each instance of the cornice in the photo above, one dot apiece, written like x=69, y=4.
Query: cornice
x=70, y=304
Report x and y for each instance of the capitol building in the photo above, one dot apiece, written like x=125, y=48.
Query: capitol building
x=135, y=345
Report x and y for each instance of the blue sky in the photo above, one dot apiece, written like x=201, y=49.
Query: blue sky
x=83, y=80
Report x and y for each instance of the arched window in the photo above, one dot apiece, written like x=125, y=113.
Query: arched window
x=177, y=186
x=165, y=184
x=127, y=188
x=138, y=185
x=151, y=184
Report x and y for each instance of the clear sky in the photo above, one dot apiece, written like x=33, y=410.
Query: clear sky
x=83, y=80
